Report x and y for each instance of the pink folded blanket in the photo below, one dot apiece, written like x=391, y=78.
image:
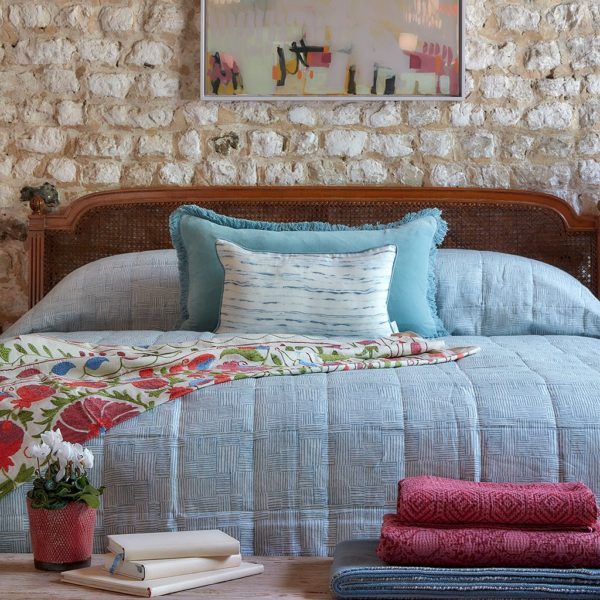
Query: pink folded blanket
x=402, y=544
x=437, y=501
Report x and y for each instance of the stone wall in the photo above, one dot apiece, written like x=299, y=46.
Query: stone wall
x=97, y=94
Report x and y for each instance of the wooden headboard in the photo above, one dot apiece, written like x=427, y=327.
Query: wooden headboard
x=531, y=224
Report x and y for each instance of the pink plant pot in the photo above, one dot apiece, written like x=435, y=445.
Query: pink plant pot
x=62, y=539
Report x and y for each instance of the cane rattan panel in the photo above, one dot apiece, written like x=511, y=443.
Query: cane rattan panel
x=529, y=224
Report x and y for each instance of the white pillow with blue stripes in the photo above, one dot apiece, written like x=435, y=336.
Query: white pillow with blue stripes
x=343, y=294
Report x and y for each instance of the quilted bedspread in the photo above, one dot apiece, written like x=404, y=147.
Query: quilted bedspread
x=292, y=465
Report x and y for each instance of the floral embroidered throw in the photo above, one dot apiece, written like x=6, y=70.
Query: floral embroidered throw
x=85, y=389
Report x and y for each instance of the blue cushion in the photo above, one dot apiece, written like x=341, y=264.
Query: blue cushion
x=195, y=230
x=491, y=293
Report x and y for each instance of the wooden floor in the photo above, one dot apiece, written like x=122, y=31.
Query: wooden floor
x=284, y=578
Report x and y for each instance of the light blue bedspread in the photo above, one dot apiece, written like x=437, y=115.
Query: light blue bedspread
x=293, y=465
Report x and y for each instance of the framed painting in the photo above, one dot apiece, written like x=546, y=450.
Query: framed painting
x=332, y=49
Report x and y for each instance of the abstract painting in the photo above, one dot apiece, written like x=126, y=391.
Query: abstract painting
x=363, y=49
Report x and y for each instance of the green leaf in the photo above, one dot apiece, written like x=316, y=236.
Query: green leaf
x=33, y=349
x=20, y=349
x=5, y=412
x=4, y=352
x=276, y=360
x=240, y=376
x=249, y=354
x=25, y=416
x=47, y=351
x=25, y=474
x=6, y=487
x=90, y=500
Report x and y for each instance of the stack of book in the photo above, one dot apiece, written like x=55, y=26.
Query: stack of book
x=154, y=564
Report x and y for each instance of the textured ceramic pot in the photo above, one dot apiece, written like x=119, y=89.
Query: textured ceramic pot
x=62, y=539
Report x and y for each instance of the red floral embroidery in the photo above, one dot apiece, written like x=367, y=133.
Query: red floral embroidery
x=11, y=438
x=28, y=394
x=92, y=416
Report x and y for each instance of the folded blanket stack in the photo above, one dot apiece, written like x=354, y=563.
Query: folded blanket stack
x=449, y=523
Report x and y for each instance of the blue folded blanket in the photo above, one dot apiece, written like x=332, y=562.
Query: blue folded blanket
x=357, y=573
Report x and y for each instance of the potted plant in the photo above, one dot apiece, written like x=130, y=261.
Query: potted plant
x=62, y=504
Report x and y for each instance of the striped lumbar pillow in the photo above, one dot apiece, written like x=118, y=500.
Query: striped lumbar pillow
x=341, y=294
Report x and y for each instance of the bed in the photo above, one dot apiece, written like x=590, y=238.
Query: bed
x=293, y=465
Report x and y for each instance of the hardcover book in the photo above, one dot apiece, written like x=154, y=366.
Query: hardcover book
x=170, y=567
x=173, y=544
x=97, y=577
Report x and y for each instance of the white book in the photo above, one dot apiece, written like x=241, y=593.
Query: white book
x=173, y=544
x=170, y=567
x=97, y=577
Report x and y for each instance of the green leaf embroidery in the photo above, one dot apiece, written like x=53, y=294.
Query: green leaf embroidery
x=4, y=353
x=25, y=474
x=249, y=354
x=20, y=349
x=276, y=360
x=33, y=349
x=25, y=416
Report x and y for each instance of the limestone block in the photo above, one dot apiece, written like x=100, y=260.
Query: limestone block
x=200, y=113
x=389, y=115
x=304, y=142
x=436, y=143
x=99, y=50
x=451, y=175
x=423, y=113
x=589, y=171
x=345, y=142
x=302, y=115
x=150, y=53
x=37, y=112
x=63, y=170
x=176, y=173
x=69, y=113
x=27, y=167
x=555, y=146
x=346, y=114
x=543, y=56
x=409, y=174
x=107, y=146
x=253, y=112
x=550, y=115
x=284, y=173
x=589, y=113
x=506, y=116
x=37, y=51
x=266, y=143
x=585, y=51
x=8, y=111
x=221, y=172
x=75, y=16
x=159, y=85
x=61, y=81
x=590, y=144
x=102, y=171
x=518, y=18
x=189, y=145
x=165, y=17
x=391, y=144
x=492, y=176
x=592, y=84
x=516, y=146
x=463, y=114
x=116, y=18
x=156, y=145
x=366, y=171
x=29, y=15
x=568, y=16
x=480, y=145
x=111, y=85
x=45, y=140
x=139, y=174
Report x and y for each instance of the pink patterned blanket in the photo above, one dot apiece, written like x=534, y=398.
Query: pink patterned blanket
x=436, y=501
x=85, y=389
x=402, y=544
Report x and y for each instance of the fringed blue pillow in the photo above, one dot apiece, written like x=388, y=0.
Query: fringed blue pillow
x=411, y=304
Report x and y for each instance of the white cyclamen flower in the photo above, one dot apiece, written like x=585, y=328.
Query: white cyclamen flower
x=52, y=438
x=87, y=460
x=39, y=451
x=66, y=453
